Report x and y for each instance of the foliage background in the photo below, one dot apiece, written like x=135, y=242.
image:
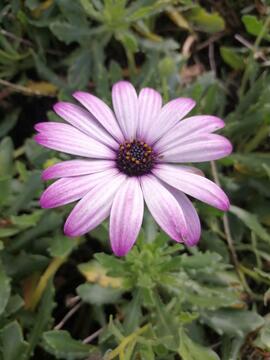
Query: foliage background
x=66, y=299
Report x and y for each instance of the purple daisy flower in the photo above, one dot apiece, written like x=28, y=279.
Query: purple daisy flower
x=132, y=156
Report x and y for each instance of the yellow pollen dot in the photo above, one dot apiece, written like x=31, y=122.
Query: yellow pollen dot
x=145, y=145
x=137, y=162
x=127, y=157
x=128, y=152
x=133, y=159
x=128, y=145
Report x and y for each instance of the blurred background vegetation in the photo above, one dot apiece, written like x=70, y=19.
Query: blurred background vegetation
x=62, y=298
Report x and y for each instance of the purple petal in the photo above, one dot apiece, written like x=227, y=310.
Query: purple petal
x=164, y=208
x=169, y=116
x=66, y=138
x=125, y=104
x=126, y=216
x=101, y=112
x=85, y=122
x=193, y=221
x=194, y=185
x=67, y=190
x=189, y=127
x=150, y=103
x=76, y=167
x=199, y=149
x=94, y=207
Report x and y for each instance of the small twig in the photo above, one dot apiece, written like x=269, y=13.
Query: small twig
x=210, y=40
x=248, y=45
x=68, y=316
x=72, y=300
x=22, y=89
x=15, y=37
x=91, y=337
x=226, y=224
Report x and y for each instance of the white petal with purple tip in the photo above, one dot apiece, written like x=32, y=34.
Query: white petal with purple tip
x=189, y=127
x=194, y=185
x=85, y=122
x=126, y=216
x=76, y=168
x=125, y=104
x=198, y=149
x=150, y=102
x=67, y=190
x=102, y=113
x=66, y=138
x=94, y=207
x=164, y=208
x=191, y=215
x=168, y=117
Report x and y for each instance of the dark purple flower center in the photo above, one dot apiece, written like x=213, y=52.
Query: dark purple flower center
x=135, y=158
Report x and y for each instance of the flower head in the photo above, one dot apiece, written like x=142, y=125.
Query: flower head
x=130, y=157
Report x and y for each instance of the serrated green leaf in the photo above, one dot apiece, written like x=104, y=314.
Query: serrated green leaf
x=43, y=318
x=14, y=347
x=233, y=322
x=251, y=221
x=62, y=245
x=190, y=350
x=69, y=33
x=60, y=344
x=205, y=21
x=6, y=157
x=254, y=26
x=232, y=58
x=5, y=289
x=80, y=70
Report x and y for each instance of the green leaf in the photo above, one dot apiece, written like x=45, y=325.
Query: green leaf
x=46, y=72
x=232, y=58
x=15, y=303
x=13, y=345
x=43, y=317
x=189, y=350
x=233, y=322
x=128, y=40
x=9, y=122
x=6, y=157
x=90, y=10
x=167, y=325
x=49, y=222
x=62, y=245
x=5, y=186
x=4, y=289
x=263, y=338
x=69, y=33
x=60, y=344
x=27, y=220
x=97, y=295
x=28, y=192
x=205, y=21
x=251, y=221
x=80, y=70
x=254, y=26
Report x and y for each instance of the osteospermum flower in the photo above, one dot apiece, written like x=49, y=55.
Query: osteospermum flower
x=130, y=157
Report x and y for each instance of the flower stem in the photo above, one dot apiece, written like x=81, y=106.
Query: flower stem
x=49, y=272
x=125, y=342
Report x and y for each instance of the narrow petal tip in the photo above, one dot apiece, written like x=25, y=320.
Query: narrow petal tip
x=39, y=126
x=120, y=251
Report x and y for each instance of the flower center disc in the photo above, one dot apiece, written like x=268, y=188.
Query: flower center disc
x=135, y=158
